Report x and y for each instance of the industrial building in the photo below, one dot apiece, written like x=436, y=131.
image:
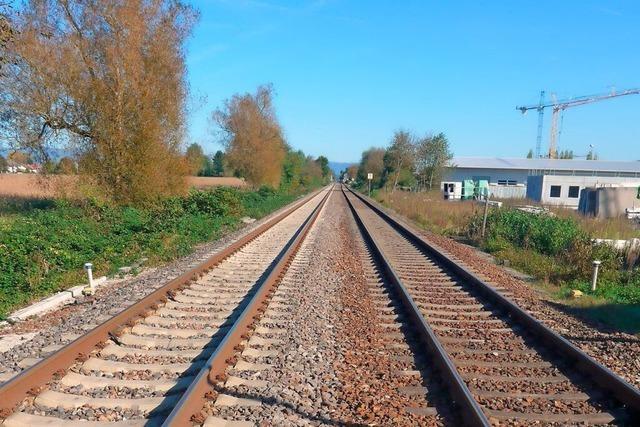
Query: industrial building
x=549, y=181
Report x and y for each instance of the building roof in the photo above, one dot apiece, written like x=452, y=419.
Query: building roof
x=545, y=164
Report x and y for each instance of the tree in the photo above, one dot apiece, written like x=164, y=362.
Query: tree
x=66, y=166
x=432, y=157
x=565, y=154
x=372, y=161
x=196, y=159
x=399, y=156
x=323, y=162
x=20, y=157
x=109, y=79
x=218, y=163
x=530, y=154
x=3, y=164
x=252, y=136
x=352, y=171
x=6, y=32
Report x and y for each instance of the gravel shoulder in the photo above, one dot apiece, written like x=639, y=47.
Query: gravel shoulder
x=616, y=350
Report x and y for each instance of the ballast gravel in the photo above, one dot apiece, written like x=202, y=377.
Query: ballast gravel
x=331, y=364
x=616, y=350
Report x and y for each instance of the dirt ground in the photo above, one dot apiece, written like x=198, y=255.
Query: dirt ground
x=38, y=186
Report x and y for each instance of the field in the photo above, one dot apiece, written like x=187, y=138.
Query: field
x=38, y=186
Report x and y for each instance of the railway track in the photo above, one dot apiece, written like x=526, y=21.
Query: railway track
x=294, y=368
x=500, y=365
x=153, y=362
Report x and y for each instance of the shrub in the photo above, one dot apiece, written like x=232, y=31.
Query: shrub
x=545, y=234
x=220, y=201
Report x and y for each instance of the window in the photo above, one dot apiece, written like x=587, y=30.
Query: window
x=555, y=191
x=512, y=182
x=502, y=182
x=574, y=191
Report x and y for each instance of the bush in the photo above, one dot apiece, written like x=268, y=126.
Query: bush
x=221, y=201
x=545, y=234
x=43, y=250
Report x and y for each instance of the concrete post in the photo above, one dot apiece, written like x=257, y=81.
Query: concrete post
x=90, y=289
x=594, y=279
x=486, y=212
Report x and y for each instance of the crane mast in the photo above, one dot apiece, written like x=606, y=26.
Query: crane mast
x=557, y=108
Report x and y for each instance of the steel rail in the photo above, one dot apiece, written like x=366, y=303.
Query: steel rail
x=599, y=374
x=471, y=411
x=33, y=379
x=195, y=397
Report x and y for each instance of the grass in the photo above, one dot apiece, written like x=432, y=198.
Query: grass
x=430, y=210
x=44, y=243
x=556, y=250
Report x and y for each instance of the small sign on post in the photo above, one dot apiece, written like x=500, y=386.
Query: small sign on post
x=369, y=178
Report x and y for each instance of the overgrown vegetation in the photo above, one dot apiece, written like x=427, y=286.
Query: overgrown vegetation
x=556, y=249
x=37, y=261
x=409, y=163
x=560, y=251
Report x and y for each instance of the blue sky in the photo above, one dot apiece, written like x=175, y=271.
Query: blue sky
x=349, y=73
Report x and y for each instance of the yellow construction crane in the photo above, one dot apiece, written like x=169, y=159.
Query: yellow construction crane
x=558, y=107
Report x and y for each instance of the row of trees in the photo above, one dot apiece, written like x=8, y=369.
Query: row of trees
x=255, y=147
x=107, y=81
x=409, y=161
x=567, y=155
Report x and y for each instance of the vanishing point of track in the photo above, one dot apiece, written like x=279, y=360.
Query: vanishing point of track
x=472, y=355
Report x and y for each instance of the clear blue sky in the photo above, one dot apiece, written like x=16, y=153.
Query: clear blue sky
x=349, y=73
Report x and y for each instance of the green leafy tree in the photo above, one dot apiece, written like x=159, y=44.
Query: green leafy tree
x=432, y=158
x=218, y=163
x=399, y=158
x=530, y=154
x=566, y=154
x=323, y=162
x=3, y=164
x=372, y=161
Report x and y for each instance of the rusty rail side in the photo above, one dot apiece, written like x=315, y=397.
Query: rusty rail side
x=601, y=375
x=32, y=379
x=195, y=397
x=471, y=412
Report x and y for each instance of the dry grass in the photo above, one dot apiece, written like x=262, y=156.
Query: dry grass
x=41, y=187
x=612, y=228
x=207, y=181
x=452, y=217
x=431, y=211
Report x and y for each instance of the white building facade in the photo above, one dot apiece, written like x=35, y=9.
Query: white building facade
x=548, y=181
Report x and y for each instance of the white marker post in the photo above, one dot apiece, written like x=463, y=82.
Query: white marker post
x=594, y=278
x=90, y=289
x=369, y=178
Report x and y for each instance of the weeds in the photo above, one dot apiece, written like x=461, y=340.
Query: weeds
x=44, y=248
